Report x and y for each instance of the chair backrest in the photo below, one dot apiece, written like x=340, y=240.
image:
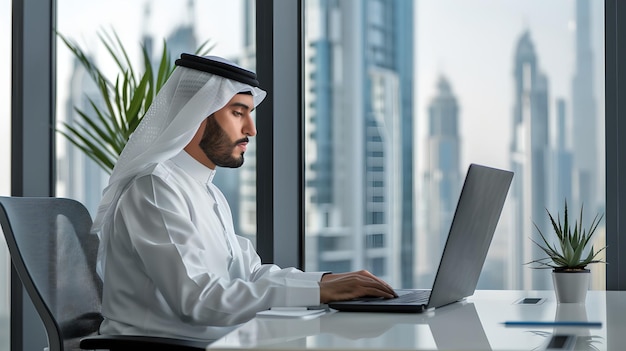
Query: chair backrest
x=55, y=255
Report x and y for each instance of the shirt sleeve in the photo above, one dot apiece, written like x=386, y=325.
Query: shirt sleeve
x=180, y=265
x=260, y=271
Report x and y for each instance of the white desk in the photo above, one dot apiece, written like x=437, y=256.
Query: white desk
x=474, y=324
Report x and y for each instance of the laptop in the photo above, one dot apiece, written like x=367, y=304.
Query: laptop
x=473, y=226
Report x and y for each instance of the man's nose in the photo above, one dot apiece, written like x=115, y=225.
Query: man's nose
x=250, y=127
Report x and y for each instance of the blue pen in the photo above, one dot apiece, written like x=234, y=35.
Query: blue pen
x=553, y=324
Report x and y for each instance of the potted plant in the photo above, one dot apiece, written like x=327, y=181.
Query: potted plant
x=103, y=135
x=569, y=256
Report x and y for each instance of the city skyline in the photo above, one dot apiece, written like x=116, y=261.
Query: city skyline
x=478, y=63
x=468, y=148
x=439, y=51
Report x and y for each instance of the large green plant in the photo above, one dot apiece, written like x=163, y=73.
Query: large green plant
x=573, y=249
x=125, y=99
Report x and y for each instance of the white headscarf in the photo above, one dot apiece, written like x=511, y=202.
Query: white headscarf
x=185, y=100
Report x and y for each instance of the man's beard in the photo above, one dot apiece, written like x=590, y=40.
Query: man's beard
x=217, y=146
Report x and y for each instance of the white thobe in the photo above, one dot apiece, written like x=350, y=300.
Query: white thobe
x=175, y=267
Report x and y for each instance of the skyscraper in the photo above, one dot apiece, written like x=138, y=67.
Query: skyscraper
x=530, y=150
x=85, y=178
x=588, y=166
x=562, y=161
x=358, y=137
x=243, y=180
x=442, y=180
x=585, y=117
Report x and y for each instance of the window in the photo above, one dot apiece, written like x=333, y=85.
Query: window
x=519, y=87
x=374, y=240
x=376, y=265
x=224, y=25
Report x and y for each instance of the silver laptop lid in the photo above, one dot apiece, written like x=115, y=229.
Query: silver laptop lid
x=473, y=226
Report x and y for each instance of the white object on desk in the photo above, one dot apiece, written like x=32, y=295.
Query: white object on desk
x=291, y=312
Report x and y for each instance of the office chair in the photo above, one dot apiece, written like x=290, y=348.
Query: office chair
x=54, y=255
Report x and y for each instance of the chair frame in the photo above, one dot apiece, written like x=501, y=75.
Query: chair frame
x=89, y=341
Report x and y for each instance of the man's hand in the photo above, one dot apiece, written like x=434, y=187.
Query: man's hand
x=345, y=286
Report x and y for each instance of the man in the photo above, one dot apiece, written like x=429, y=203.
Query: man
x=171, y=262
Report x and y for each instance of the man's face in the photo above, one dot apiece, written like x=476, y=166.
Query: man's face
x=225, y=137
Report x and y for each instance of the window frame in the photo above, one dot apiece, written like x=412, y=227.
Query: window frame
x=32, y=171
x=615, y=73
x=280, y=162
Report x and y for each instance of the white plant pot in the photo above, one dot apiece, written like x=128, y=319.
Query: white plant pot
x=571, y=287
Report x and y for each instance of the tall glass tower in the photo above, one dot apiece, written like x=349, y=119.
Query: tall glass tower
x=85, y=178
x=359, y=137
x=585, y=118
x=530, y=150
x=442, y=180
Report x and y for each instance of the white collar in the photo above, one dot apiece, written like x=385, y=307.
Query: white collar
x=197, y=170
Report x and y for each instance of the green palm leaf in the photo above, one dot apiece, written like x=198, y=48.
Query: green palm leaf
x=124, y=99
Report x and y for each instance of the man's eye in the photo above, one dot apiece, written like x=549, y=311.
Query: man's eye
x=237, y=113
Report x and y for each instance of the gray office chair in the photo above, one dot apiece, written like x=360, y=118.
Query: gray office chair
x=55, y=256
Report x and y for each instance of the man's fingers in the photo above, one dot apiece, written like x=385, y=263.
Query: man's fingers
x=374, y=287
x=372, y=276
x=345, y=286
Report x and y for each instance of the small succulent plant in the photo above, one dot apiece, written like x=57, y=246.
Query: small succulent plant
x=574, y=249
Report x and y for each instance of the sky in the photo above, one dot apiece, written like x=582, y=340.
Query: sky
x=471, y=43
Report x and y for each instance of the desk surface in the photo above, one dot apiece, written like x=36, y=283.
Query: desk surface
x=473, y=324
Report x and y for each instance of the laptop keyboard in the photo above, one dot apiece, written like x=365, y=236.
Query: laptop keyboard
x=417, y=296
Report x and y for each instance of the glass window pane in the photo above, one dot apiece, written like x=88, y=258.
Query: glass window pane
x=392, y=125
x=224, y=25
x=5, y=164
